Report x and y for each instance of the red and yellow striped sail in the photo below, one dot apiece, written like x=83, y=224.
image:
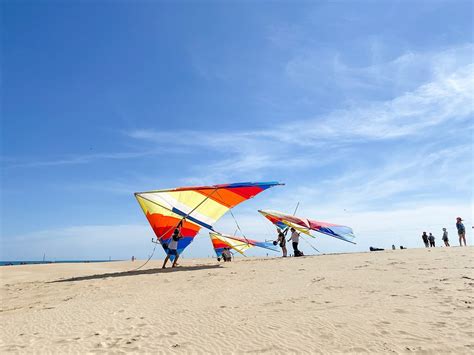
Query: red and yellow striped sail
x=198, y=206
x=221, y=241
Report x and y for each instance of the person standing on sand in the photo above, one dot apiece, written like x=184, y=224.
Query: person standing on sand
x=295, y=238
x=461, y=231
x=226, y=255
x=173, y=246
x=431, y=238
x=445, y=237
x=424, y=236
x=282, y=241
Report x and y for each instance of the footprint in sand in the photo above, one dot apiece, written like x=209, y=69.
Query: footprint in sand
x=401, y=311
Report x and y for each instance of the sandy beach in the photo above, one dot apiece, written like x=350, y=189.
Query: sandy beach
x=401, y=301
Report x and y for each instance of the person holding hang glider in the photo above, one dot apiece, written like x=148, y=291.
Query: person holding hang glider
x=226, y=255
x=173, y=245
x=295, y=238
x=282, y=241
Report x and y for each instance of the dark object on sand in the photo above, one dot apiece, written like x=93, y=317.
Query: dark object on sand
x=375, y=249
x=402, y=247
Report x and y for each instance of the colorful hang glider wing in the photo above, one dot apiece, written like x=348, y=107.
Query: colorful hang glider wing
x=198, y=206
x=306, y=225
x=221, y=241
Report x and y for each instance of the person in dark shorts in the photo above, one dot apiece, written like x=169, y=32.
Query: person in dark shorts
x=424, y=236
x=226, y=255
x=295, y=238
x=172, y=249
x=445, y=237
x=461, y=231
x=282, y=242
x=431, y=239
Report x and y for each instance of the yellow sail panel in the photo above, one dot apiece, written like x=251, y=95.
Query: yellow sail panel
x=298, y=228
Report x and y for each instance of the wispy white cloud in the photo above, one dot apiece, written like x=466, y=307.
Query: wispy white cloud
x=394, y=75
x=79, y=159
x=406, y=177
x=313, y=142
x=449, y=98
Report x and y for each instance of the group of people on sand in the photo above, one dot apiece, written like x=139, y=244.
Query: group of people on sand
x=295, y=239
x=429, y=240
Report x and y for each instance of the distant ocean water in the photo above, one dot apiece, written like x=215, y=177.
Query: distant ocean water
x=30, y=262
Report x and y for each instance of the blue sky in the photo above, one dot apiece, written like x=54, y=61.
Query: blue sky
x=363, y=108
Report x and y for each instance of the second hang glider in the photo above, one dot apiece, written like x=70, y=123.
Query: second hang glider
x=304, y=225
x=221, y=241
x=195, y=207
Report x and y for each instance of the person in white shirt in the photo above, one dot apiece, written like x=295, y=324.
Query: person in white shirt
x=295, y=238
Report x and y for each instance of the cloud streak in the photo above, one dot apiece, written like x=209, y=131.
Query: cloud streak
x=313, y=142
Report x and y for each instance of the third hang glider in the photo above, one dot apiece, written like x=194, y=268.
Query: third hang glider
x=221, y=241
x=304, y=225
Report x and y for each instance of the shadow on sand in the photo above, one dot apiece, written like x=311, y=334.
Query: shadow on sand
x=139, y=272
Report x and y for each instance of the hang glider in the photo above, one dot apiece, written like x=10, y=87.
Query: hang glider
x=306, y=226
x=196, y=207
x=221, y=241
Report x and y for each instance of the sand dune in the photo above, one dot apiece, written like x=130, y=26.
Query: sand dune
x=399, y=301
